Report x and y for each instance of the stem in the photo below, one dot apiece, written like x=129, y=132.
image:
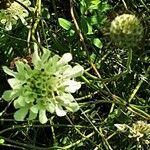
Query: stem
x=129, y=60
x=138, y=86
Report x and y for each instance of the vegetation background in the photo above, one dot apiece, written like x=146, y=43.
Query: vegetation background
x=109, y=95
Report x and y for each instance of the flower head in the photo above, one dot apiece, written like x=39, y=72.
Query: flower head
x=10, y=15
x=140, y=131
x=126, y=30
x=46, y=87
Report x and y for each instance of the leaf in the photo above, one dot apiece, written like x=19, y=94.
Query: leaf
x=64, y=23
x=90, y=28
x=94, y=4
x=83, y=23
x=71, y=32
x=97, y=42
x=42, y=116
x=20, y=114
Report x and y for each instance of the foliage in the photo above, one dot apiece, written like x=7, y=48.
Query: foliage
x=71, y=108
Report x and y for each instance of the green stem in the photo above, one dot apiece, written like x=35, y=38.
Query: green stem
x=138, y=85
x=106, y=144
x=78, y=142
x=116, y=77
x=129, y=60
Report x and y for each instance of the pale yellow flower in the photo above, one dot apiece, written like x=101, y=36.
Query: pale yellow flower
x=10, y=16
x=140, y=130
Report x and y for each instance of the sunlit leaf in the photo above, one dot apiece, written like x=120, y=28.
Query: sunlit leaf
x=64, y=23
x=97, y=42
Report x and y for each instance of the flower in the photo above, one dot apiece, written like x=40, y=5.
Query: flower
x=126, y=30
x=121, y=127
x=10, y=15
x=46, y=87
x=139, y=130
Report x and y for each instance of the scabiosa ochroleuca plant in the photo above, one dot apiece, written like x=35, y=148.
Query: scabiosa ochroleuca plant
x=10, y=15
x=126, y=30
x=46, y=87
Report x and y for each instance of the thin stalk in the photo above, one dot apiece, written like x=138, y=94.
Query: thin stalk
x=129, y=60
x=138, y=86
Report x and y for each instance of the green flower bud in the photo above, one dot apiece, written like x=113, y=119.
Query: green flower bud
x=126, y=31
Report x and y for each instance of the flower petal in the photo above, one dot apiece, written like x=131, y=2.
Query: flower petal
x=67, y=57
x=20, y=114
x=36, y=58
x=9, y=72
x=72, y=86
x=14, y=83
x=10, y=95
x=75, y=72
x=59, y=111
x=42, y=116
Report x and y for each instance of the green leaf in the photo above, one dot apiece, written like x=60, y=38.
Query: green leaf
x=64, y=23
x=71, y=32
x=94, y=20
x=97, y=42
x=90, y=28
x=42, y=116
x=20, y=114
x=84, y=26
x=94, y=4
